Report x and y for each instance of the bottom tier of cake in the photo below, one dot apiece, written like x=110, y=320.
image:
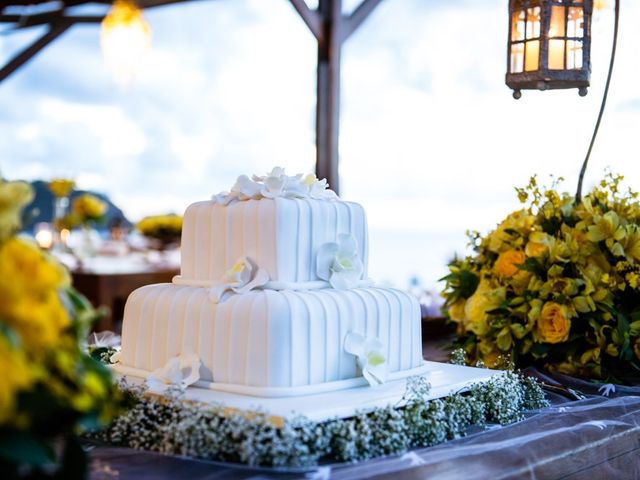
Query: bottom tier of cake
x=271, y=343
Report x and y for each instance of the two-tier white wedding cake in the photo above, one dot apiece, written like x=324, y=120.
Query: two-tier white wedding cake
x=273, y=299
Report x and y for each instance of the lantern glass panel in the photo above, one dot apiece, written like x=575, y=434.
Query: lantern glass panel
x=517, y=58
x=518, y=21
x=533, y=22
x=532, y=55
x=556, y=26
x=574, y=54
x=556, y=54
x=575, y=22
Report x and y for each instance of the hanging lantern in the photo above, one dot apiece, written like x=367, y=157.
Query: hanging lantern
x=549, y=45
x=125, y=38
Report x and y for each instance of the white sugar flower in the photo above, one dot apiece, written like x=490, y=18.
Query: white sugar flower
x=245, y=188
x=243, y=276
x=370, y=357
x=319, y=189
x=276, y=184
x=339, y=263
x=182, y=371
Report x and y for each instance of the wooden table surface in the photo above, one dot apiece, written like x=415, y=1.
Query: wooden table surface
x=112, y=289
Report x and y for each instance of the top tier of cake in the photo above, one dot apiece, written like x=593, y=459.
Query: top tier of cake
x=281, y=235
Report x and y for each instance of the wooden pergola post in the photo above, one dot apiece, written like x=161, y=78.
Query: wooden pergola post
x=331, y=29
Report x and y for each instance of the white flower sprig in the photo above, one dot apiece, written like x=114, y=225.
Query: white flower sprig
x=244, y=276
x=276, y=184
x=370, y=356
x=339, y=263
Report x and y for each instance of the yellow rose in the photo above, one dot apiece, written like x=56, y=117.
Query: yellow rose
x=29, y=293
x=519, y=221
x=553, y=325
x=456, y=311
x=13, y=197
x=482, y=301
x=534, y=249
x=507, y=264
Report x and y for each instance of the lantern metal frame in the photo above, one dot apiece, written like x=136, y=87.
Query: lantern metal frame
x=544, y=78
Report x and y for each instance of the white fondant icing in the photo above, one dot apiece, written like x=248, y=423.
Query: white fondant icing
x=281, y=235
x=270, y=339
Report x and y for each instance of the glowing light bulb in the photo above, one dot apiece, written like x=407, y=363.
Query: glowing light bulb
x=125, y=39
x=600, y=4
x=44, y=235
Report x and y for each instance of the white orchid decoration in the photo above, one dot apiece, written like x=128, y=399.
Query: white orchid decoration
x=370, y=357
x=276, y=184
x=182, y=371
x=242, y=277
x=339, y=263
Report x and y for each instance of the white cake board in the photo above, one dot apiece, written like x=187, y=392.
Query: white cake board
x=445, y=379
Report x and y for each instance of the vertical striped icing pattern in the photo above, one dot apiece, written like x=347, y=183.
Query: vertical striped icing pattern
x=269, y=338
x=282, y=235
x=304, y=225
x=189, y=247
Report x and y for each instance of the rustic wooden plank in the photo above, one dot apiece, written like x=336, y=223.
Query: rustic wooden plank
x=48, y=18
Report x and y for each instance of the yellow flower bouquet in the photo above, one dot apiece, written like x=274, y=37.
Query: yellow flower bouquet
x=61, y=187
x=88, y=209
x=164, y=229
x=50, y=388
x=556, y=284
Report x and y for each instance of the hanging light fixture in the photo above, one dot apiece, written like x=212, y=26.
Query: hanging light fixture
x=125, y=38
x=549, y=45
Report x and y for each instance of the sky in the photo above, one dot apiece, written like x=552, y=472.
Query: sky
x=432, y=143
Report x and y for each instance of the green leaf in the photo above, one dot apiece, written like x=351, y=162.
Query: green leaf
x=468, y=283
x=96, y=353
x=10, y=335
x=540, y=350
x=504, y=340
x=634, y=328
x=623, y=325
x=532, y=265
x=518, y=330
x=25, y=448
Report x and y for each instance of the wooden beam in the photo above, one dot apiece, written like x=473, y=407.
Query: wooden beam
x=311, y=18
x=328, y=93
x=358, y=16
x=48, y=18
x=20, y=59
x=57, y=16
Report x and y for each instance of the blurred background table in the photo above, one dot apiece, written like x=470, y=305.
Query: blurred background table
x=107, y=281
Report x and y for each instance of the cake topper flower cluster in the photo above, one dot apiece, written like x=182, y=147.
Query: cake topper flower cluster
x=276, y=184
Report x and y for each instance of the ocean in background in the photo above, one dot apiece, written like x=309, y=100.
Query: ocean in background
x=409, y=259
